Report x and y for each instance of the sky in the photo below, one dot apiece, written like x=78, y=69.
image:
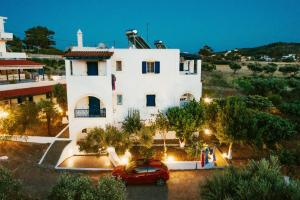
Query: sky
x=183, y=24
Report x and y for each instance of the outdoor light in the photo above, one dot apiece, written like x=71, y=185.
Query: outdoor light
x=124, y=160
x=3, y=114
x=59, y=109
x=224, y=155
x=170, y=159
x=207, y=131
x=207, y=100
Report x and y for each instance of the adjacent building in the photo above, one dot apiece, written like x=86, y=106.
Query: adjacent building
x=20, y=79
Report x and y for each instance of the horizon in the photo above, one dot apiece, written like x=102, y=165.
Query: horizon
x=258, y=22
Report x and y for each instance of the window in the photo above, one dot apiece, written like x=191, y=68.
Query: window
x=92, y=68
x=71, y=67
x=118, y=65
x=30, y=98
x=20, y=100
x=153, y=169
x=150, y=100
x=150, y=67
x=119, y=99
x=181, y=67
x=140, y=170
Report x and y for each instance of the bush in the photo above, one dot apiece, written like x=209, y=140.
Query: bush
x=255, y=67
x=72, y=187
x=292, y=70
x=75, y=187
x=235, y=67
x=258, y=180
x=110, y=188
x=9, y=187
x=208, y=67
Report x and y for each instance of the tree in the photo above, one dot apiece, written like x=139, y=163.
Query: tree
x=232, y=123
x=60, y=93
x=9, y=187
x=162, y=125
x=270, y=130
x=186, y=120
x=16, y=45
x=292, y=70
x=206, y=51
x=255, y=68
x=110, y=188
x=257, y=180
x=132, y=122
x=235, y=67
x=26, y=116
x=73, y=187
x=257, y=102
x=99, y=139
x=270, y=68
x=39, y=37
x=208, y=67
x=48, y=112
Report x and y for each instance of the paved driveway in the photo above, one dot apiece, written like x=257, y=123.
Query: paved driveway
x=183, y=185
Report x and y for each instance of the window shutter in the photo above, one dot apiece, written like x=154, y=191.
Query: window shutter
x=181, y=66
x=144, y=66
x=157, y=67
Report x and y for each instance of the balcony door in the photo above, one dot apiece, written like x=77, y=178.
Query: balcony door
x=94, y=106
x=92, y=68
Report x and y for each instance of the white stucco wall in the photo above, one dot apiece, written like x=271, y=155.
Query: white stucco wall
x=168, y=86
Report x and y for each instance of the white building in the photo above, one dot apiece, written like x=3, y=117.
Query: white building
x=103, y=85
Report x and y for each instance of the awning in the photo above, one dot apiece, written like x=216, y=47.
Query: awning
x=84, y=55
x=19, y=64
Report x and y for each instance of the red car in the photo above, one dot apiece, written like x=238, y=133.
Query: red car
x=143, y=171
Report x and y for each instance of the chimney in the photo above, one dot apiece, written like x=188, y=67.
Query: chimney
x=2, y=21
x=79, y=38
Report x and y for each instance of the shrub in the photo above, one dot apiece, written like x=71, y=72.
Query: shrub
x=255, y=68
x=9, y=187
x=292, y=70
x=235, y=67
x=72, y=187
x=258, y=180
x=75, y=187
x=132, y=122
x=208, y=67
x=110, y=188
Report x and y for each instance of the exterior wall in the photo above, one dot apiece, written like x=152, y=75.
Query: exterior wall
x=168, y=86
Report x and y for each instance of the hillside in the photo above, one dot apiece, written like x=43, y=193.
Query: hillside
x=275, y=50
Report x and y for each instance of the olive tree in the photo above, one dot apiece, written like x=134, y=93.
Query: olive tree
x=257, y=180
x=162, y=125
x=255, y=68
x=48, y=112
x=235, y=67
x=186, y=120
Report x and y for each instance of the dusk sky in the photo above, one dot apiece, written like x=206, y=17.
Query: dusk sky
x=188, y=24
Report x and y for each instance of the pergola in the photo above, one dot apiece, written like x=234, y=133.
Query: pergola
x=18, y=65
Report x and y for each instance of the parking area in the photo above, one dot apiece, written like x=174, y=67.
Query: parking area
x=37, y=180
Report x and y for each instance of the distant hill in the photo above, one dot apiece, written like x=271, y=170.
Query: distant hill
x=274, y=50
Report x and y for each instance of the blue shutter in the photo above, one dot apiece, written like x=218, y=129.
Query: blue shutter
x=144, y=67
x=150, y=100
x=157, y=67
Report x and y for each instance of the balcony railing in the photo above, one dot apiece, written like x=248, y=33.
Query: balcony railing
x=79, y=113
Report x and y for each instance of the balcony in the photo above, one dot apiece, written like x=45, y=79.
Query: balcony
x=89, y=113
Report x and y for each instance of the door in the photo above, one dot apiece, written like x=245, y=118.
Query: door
x=92, y=68
x=94, y=107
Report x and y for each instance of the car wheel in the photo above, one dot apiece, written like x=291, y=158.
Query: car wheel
x=160, y=182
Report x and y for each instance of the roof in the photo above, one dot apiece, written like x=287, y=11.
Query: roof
x=190, y=56
x=7, y=94
x=19, y=64
x=88, y=55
